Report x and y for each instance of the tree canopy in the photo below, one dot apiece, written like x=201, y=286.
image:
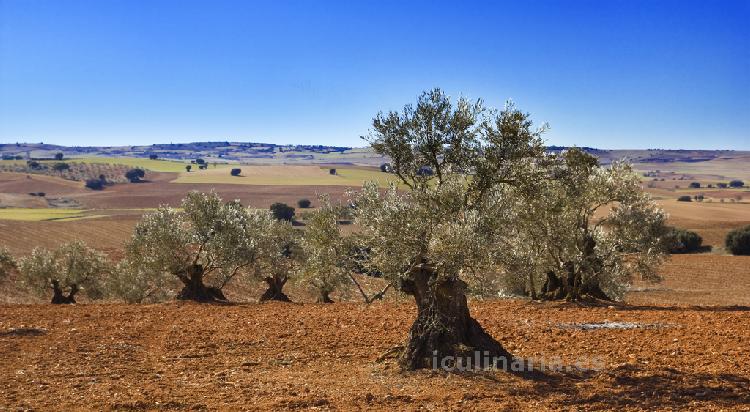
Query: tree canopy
x=206, y=240
x=72, y=266
x=449, y=223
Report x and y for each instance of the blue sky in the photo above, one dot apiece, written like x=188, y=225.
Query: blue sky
x=603, y=73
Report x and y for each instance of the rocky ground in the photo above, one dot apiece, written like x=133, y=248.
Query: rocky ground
x=329, y=357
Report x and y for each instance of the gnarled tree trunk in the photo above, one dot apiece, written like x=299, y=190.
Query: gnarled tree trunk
x=194, y=288
x=444, y=328
x=571, y=287
x=59, y=298
x=324, y=297
x=275, y=289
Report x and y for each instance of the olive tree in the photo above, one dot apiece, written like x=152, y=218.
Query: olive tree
x=279, y=259
x=586, y=231
x=133, y=283
x=72, y=267
x=324, y=252
x=447, y=224
x=204, y=244
x=7, y=262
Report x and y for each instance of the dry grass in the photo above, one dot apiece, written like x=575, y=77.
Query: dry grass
x=105, y=233
x=44, y=214
x=700, y=279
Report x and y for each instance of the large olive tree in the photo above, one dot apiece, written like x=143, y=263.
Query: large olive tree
x=204, y=244
x=453, y=160
x=586, y=230
x=70, y=268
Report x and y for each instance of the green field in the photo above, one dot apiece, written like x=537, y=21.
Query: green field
x=46, y=214
x=287, y=176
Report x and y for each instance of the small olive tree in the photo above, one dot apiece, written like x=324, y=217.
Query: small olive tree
x=7, y=262
x=325, y=252
x=279, y=259
x=72, y=267
x=132, y=283
x=204, y=245
x=591, y=229
x=448, y=223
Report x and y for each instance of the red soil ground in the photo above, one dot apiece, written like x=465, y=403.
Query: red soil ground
x=294, y=356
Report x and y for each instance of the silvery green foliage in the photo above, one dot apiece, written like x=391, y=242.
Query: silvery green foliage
x=324, y=250
x=70, y=264
x=224, y=238
x=433, y=225
x=7, y=262
x=583, y=200
x=133, y=284
x=456, y=161
x=278, y=244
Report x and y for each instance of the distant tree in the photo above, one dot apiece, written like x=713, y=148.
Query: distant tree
x=698, y=198
x=203, y=166
x=236, y=172
x=683, y=241
x=736, y=183
x=200, y=161
x=721, y=185
x=188, y=167
x=58, y=156
x=72, y=267
x=204, y=244
x=685, y=198
x=386, y=168
x=324, y=252
x=94, y=184
x=425, y=171
x=153, y=156
x=135, y=175
x=282, y=211
x=33, y=164
x=738, y=241
x=694, y=185
x=332, y=171
x=304, y=203
x=61, y=167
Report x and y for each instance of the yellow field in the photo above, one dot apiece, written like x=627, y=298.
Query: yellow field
x=41, y=214
x=706, y=211
x=717, y=170
x=286, y=175
x=148, y=164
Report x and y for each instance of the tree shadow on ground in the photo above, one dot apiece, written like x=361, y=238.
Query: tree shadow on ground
x=628, y=307
x=632, y=386
x=23, y=332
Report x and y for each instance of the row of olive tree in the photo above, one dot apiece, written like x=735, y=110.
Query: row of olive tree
x=192, y=253
x=494, y=202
